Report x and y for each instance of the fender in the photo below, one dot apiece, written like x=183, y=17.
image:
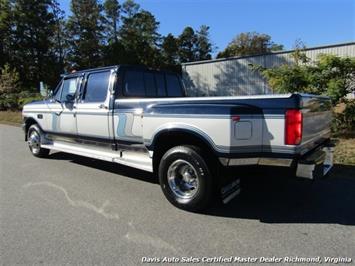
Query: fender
x=181, y=128
x=27, y=122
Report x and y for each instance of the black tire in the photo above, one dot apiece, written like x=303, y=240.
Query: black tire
x=34, y=134
x=195, y=166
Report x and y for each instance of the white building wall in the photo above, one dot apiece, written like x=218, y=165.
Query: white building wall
x=234, y=76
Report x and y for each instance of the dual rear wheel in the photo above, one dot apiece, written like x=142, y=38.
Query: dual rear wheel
x=185, y=178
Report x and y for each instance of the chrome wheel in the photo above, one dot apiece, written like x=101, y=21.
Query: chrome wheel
x=34, y=142
x=183, y=179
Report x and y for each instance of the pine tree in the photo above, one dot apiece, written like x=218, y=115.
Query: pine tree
x=112, y=15
x=60, y=38
x=86, y=29
x=203, y=44
x=187, y=45
x=140, y=38
x=5, y=31
x=32, y=30
x=59, y=44
x=170, y=50
x=130, y=8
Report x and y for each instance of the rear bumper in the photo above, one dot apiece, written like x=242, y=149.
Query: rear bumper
x=313, y=165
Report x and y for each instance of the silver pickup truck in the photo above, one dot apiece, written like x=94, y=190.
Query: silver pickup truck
x=141, y=118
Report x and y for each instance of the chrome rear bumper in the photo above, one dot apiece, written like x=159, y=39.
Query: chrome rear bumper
x=313, y=165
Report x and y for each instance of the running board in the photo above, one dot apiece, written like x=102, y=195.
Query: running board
x=138, y=160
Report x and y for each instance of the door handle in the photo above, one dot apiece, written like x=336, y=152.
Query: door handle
x=102, y=106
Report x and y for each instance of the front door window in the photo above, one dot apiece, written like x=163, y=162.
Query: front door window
x=68, y=90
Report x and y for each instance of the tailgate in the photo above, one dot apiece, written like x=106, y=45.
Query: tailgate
x=317, y=116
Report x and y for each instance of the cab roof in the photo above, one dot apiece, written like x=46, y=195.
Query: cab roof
x=79, y=72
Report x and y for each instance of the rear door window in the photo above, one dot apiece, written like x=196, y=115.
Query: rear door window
x=173, y=85
x=134, y=84
x=97, y=87
x=160, y=79
x=150, y=88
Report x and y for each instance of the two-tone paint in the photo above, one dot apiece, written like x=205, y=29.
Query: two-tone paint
x=234, y=128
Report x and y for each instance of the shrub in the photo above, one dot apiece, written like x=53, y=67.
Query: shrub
x=30, y=98
x=9, y=87
x=9, y=80
x=11, y=96
x=329, y=75
x=344, y=121
x=9, y=102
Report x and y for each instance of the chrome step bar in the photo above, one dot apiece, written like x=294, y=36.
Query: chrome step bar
x=138, y=160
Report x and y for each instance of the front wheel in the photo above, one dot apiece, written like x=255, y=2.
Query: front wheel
x=34, y=142
x=185, y=178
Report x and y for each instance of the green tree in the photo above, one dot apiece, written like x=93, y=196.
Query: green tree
x=203, y=44
x=60, y=37
x=5, y=31
x=130, y=8
x=249, y=43
x=32, y=31
x=170, y=50
x=86, y=27
x=140, y=38
x=112, y=15
x=59, y=45
x=187, y=45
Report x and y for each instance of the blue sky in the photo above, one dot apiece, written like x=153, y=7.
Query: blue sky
x=315, y=22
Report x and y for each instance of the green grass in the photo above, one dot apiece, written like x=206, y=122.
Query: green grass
x=10, y=117
x=344, y=150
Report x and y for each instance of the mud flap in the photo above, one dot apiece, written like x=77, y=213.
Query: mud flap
x=316, y=165
x=230, y=191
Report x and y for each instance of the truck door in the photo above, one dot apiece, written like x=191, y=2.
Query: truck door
x=92, y=109
x=62, y=108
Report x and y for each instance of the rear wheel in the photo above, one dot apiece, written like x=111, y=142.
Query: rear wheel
x=185, y=178
x=34, y=141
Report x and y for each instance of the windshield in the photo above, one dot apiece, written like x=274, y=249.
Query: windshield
x=56, y=92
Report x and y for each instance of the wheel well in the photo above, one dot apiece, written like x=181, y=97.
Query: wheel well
x=168, y=140
x=29, y=122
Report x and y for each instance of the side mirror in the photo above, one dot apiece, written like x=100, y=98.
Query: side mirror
x=70, y=98
x=49, y=93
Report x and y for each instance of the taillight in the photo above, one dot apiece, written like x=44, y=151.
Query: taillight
x=293, y=127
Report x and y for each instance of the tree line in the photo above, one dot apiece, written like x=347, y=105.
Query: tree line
x=40, y=42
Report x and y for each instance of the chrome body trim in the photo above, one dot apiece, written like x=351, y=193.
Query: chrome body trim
x=256, y=161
